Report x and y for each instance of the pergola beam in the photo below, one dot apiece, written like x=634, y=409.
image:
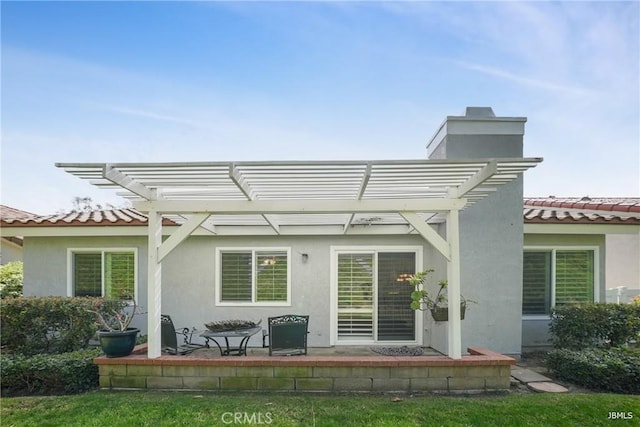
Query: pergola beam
x=260, y=207
x=490, y=169
x=348, y=223
x=115, y=176
x=181, y=234
x=363, y=187
x=238, y=180
x=365, y=181
x=272, y=223
x=208, y=227
x=429, y=234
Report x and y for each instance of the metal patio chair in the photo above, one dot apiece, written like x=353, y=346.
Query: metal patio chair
x=287, y=335
x=176, y=342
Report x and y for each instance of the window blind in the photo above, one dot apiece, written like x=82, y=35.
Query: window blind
x=271, y=276
x=87, y=274
x=536, y=283
x=119, y=273
x=396, y=319
x=574, y=277
x=355, y=296
x=236, y=276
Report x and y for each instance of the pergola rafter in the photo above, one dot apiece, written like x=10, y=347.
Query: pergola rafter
x=408, y=194
x=242, y=185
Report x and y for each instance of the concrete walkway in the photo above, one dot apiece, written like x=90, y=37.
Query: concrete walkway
x=536, y=381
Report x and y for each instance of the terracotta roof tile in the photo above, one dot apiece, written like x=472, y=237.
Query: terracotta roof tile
x=92, y=218
x=583, y=210
x=536, y=210
x=7, y=212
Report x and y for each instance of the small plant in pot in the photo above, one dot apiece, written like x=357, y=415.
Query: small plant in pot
x=117, y=337
x=438, y=305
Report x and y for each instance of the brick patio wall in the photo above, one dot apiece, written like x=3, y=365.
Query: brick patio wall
x=481, y=370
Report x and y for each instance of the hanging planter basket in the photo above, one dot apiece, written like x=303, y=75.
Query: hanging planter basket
x=118, y=343
x=441, y=314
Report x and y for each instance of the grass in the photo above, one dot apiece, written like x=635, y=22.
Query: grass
x=104, y=408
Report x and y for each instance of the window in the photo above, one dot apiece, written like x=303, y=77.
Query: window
x=108, y=273
x=554, y=277
x=248, y=276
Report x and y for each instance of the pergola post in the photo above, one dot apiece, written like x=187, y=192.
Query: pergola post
x=453, y=288
x=154, y=284
x=450, y=249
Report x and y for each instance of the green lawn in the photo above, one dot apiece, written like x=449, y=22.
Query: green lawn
x=102, y=408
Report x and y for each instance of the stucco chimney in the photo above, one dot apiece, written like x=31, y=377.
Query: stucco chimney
x=479, y=134
x=491, y=231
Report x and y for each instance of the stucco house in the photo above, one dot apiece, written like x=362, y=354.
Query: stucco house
x=11, y=246
x=576, y=250
x=331, y=239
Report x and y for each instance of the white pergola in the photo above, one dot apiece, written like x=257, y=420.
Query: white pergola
x=304, y=197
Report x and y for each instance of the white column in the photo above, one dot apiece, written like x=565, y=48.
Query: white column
x=154, y=282
x=453, y=289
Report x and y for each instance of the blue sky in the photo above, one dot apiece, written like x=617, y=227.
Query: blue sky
x=210, y=81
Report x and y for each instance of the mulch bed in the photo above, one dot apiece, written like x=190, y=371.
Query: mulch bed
x=398, y=351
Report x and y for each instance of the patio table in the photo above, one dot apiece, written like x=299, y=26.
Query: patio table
x=245, y=334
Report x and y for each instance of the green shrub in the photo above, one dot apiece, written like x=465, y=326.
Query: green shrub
x=49, y=324
x=65, y=373
x=11, y=275
x=594, y=325
x=615, y=370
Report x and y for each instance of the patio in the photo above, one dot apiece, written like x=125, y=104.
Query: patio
x=332, y=369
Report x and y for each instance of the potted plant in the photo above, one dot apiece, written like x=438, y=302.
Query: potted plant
x=117, y=337
x=438, y=305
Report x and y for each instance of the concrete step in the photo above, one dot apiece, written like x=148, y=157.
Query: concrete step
x=535, y=381
x=547, y=387
x=526, y=376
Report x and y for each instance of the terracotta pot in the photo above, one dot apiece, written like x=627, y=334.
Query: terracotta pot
x=118, y=343
x=441, y=314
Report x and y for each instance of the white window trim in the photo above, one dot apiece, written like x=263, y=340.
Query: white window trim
x=101, y=250
x=253, y=303
x=554, y=249
x=333, y=266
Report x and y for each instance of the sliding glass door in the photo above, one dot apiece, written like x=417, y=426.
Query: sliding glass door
x=373, y=296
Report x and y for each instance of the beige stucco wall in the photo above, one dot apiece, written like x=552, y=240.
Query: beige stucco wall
x=188, y=283
x=9, y=252
x=188, y=275
x=623, y=265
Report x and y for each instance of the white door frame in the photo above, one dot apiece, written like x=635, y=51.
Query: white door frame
x=369, y=249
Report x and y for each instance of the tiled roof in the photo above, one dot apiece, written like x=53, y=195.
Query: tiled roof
x=536, y=211
x=98, y=217
x=585, y=210
x=7, y=212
